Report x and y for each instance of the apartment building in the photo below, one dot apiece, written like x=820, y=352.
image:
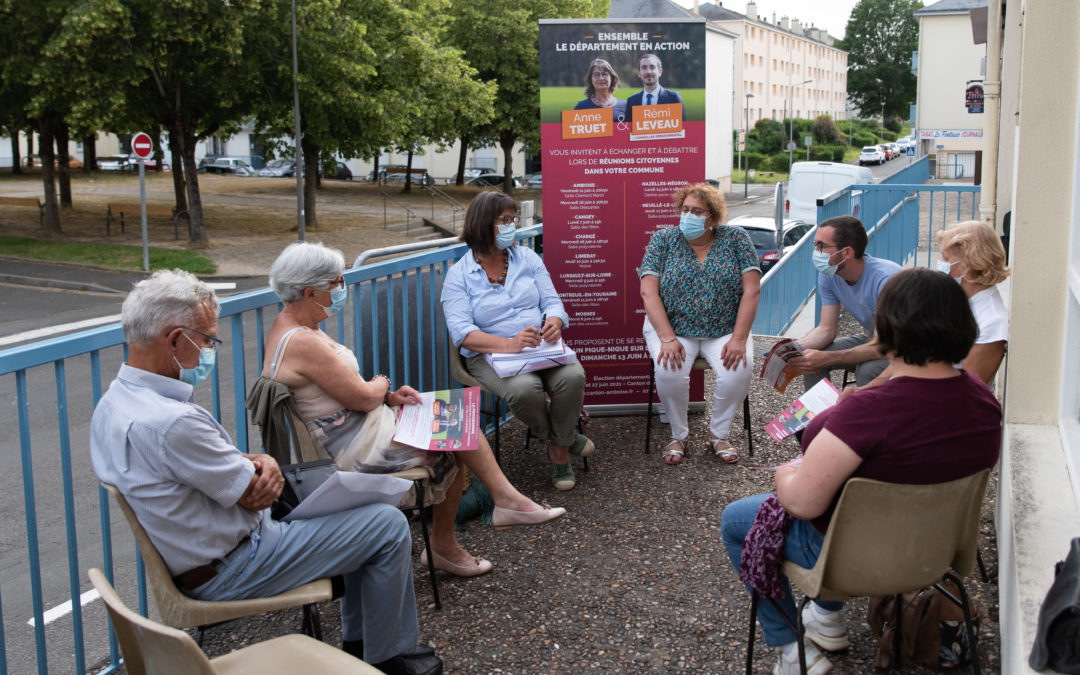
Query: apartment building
x=791, y=68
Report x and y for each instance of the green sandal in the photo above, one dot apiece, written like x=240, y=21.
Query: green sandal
x=562, y=476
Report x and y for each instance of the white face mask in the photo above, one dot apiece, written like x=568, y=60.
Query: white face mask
x=946, y=268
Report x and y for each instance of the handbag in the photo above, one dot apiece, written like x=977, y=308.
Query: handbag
x=300, y=481
x=1057, y=641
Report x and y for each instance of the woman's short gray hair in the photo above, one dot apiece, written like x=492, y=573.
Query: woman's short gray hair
x=167, y=299
x=302, y=265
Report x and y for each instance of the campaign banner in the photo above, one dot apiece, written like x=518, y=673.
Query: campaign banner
x=622, y=111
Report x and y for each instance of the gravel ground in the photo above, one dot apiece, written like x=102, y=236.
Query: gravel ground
x=633, y=579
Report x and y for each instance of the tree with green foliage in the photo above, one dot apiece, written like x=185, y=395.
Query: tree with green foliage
x=825, y=131
x=500, y=39
x=183, y=64
x=879, y=39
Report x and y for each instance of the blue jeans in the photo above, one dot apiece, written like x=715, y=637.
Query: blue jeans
x=802, y=547
x=370, y=545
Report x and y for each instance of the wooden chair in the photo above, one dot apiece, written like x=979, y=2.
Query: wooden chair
x=181, y=611
x=305, y=448
x=150, y=647
x=699, y=364
x=887, y=539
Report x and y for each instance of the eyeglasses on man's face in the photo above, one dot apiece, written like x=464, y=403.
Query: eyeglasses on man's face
x=214, y=342
x=820, y=246
x=336, y=283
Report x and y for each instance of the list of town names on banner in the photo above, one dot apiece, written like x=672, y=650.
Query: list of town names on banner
x=609, y=182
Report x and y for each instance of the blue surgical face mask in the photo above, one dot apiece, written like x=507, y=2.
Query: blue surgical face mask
x=821, y=263
x=505, y=238
x=691, y=226
x=946, y=268
x=338, y=295
x=207, y=359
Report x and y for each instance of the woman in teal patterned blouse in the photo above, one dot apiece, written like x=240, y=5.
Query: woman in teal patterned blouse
x=700, y=283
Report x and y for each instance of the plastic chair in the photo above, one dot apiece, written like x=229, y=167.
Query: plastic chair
x=150, y=647
x=181, y=611
x=306, y=448
x=887, y=539
x=699, y=364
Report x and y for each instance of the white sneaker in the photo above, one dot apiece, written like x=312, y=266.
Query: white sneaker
x=788, y=664
x=826, y=629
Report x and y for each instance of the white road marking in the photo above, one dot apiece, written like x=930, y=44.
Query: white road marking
x=222, y=285
x=39, y=333
x=64, y=609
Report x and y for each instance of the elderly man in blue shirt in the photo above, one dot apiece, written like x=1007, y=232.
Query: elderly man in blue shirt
x=205, y=505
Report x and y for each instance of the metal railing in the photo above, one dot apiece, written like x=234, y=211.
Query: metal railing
x=455, y=205
x=409, y=213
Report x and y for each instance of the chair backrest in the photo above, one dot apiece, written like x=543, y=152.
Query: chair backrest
x=887, y=538
x=148, y=646
x=167, y=596
x=282, y=414
x=457, y=367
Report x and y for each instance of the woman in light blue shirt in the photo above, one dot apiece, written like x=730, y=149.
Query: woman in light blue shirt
x=498, y=298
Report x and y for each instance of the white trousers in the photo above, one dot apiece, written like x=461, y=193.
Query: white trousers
x=673, y=386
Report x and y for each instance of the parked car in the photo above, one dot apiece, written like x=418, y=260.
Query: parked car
x=871, y=154
x=233, y=165
x=887, y=150
x=73, y=161
x=494, y=180
x=809, y=181
x=904, y=143
x=341, y=172
x=535, y=182
x=255, y=162
x=279, y=168
x=895, y=150
x=116, y=163
x=762, y=231
x=149, y=163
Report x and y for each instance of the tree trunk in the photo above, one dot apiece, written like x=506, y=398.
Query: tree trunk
x=462, y=155
x=63, y=157
x=506, y=140
x=16, y=157
x=375, y=168
x=186, y=139
x=408, y=175
x=89, y=153
x=311, y=183
x=159, y=151
x=48, y=177
x=177, y=158
x=30, y=147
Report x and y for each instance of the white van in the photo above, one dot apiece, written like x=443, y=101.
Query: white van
x=810, y=180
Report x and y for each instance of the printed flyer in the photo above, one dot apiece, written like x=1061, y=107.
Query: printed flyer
x=445, y=420
x=622, y=108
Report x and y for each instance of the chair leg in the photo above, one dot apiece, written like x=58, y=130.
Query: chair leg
x=753, y=632
x=648, y=415
x=498, y=414
x=800, y=635
x=311, y=625
x=747, y=424
x=965, y=605
x=898, y=628
x=982, y=567
x=418, y=488
x=199, y=635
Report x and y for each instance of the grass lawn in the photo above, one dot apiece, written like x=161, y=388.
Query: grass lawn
x=118, y=256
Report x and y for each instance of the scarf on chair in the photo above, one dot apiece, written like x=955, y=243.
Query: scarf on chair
x=763, y=549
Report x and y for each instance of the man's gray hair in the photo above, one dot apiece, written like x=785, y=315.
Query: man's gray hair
x=303, y=265
x=169, y=298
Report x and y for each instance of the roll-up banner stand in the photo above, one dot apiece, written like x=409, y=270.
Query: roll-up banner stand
x=610, y=174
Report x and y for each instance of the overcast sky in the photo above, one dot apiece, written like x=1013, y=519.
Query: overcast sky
x=832, y=15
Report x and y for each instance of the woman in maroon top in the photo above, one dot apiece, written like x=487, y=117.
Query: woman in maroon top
x=930, y=423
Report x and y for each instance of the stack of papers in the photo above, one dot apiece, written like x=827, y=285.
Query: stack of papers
x=796, y=416
x=529, y=359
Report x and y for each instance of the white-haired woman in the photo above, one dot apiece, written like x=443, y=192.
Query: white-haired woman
x=352, y=417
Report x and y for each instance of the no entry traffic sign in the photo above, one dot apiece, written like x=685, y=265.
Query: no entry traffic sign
x=142, y=146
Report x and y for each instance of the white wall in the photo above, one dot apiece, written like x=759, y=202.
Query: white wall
x=719, y=88
x=948, y=59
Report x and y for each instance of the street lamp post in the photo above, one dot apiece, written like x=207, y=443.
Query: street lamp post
x=746, y=142
x=791, y=122
x=882, y=120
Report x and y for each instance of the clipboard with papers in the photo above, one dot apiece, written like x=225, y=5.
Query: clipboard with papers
x=546, y=355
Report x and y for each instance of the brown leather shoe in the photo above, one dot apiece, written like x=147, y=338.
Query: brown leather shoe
x=503, y=518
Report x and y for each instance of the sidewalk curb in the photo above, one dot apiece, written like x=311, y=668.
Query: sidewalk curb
x=113, y=270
